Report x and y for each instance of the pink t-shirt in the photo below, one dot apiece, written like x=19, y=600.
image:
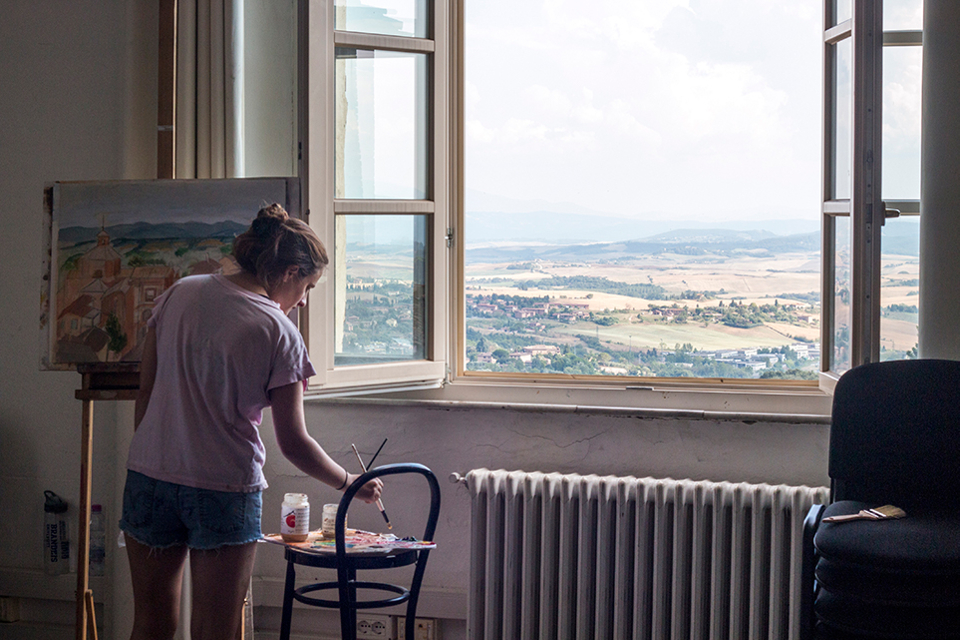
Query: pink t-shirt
x=220, y=349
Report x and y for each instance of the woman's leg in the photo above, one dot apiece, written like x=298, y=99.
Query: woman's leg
x=220, y=579
x=156, y=575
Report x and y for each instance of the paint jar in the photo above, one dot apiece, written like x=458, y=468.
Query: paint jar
x=329, y=524
x=295, y=517
x=56, y=541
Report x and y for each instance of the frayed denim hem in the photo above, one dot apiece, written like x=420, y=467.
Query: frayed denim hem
x=232, y=543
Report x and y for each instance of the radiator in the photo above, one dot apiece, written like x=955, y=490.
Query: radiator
x=575, y=557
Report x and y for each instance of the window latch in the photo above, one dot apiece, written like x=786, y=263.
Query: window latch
x=449, y=237
x=888, y=213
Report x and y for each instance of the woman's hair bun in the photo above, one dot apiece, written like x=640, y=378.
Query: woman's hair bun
x=274, y=243
x=269, y=220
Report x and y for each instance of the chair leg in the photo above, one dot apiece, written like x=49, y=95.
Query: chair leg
x=348, y=613
x=287, y=611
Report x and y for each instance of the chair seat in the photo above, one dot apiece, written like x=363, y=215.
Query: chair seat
x=870, y=620
x=921, y=544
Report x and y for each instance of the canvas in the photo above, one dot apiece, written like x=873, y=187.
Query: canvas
x=113, y=247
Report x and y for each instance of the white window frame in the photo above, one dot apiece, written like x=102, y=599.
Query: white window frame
x=317, y=43
x=865, y=207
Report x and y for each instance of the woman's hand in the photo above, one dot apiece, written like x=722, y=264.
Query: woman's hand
x=369, y=492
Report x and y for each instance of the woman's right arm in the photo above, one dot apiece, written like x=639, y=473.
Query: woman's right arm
x=148, y=374
x=299, y=447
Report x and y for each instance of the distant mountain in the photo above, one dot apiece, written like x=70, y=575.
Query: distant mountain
x=225, y=230
x=706, y=242
x=552, y=227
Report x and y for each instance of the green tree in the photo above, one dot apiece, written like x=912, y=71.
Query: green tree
x=118, y=339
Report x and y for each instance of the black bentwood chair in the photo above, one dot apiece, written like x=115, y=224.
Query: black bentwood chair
x=347, y=586
x=894, y=440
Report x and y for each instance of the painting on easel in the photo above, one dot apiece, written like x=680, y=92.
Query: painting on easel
x=113, y=247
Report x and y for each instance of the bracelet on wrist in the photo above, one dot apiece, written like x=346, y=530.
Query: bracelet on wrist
x=345, y=477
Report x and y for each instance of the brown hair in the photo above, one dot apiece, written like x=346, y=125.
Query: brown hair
x=274, y=242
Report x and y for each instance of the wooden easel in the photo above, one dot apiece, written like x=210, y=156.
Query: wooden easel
x=100, y=382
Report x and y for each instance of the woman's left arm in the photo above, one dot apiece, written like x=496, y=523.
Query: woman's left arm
x=300, y=448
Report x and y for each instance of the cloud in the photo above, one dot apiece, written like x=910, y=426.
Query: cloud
x=688, y=102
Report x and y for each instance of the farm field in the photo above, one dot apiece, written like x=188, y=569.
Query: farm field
x=750, y=313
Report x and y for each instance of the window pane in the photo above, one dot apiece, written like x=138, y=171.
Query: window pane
x=902, y=15
x=389, y=17
x=380, y=295
x=899, y=288
x=643, y=193
x=901, y=122
x=842, y=113
x=381, y=124
x=840, y=356
x=843, y=10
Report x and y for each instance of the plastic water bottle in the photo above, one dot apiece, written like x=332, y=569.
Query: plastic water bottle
x=98, y=540
x=56, y=540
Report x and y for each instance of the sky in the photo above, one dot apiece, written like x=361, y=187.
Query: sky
x=683, y=109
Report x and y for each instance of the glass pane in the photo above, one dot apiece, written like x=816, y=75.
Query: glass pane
x=381, y=124
x=901, y=122
x=842, y=115
x=899, y=288
x=380, y=297
x=840, y=356
x=389, y=17
x=902, y=15
x=643, y=228
x=843, y=10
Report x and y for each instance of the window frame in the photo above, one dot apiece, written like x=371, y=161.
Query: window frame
x=317, y=43
x=442, y=378
x=865, y=207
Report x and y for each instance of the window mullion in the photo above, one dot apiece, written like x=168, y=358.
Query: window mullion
x=866, y=207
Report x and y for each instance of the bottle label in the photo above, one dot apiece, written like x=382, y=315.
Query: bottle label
x=52, y=543
x=295, y=520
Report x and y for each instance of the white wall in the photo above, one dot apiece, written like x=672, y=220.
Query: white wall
x=77, y=103
x=79, y=87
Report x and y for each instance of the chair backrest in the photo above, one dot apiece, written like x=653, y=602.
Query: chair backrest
x=390, y=470
x=895, y=434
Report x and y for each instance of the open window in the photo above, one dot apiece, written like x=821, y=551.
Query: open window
x=868, y=110
x=386, y=170
x=375, y=188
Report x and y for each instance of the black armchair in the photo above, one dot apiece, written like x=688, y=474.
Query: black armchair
x=894, y=440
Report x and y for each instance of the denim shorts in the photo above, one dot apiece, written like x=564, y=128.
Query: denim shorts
x=162, y=514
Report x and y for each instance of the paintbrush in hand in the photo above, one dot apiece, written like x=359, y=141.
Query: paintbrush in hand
x=379, y=502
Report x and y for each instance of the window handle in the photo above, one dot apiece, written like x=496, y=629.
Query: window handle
x=888, y=212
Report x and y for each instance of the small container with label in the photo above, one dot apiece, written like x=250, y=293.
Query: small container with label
x=329, y=524
x=294, y=517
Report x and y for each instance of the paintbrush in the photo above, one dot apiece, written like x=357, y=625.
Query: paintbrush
x=370, y=464
x=886, y=512
x=379, y=502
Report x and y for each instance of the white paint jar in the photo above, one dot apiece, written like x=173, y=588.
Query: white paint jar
x=329, y=524
x=295, y=517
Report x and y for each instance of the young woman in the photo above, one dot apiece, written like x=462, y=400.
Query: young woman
x=217, y=351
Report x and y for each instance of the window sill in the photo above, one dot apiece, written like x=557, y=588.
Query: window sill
x=804, y=404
